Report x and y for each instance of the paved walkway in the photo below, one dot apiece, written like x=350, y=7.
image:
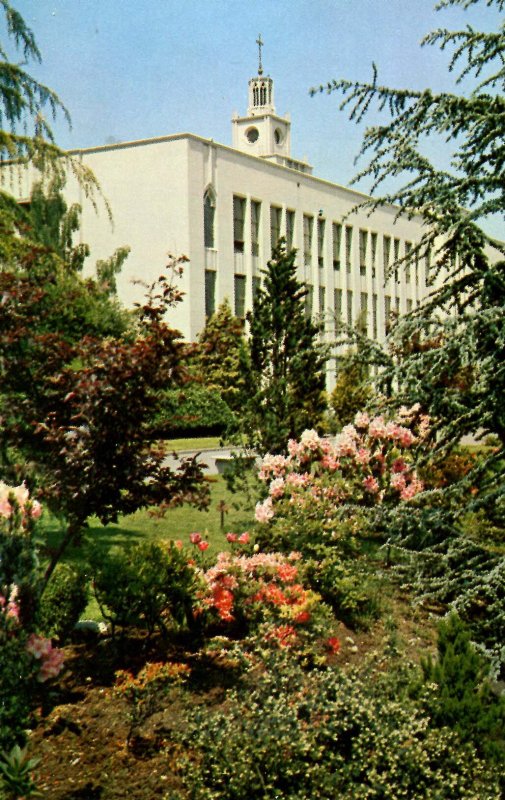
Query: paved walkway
x=206, y=457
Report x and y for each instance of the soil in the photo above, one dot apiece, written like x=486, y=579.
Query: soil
x=81, y=733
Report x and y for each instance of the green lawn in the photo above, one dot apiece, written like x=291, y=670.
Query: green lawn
x=203, y=443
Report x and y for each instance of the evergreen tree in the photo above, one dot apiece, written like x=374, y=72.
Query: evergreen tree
x=448, y=354
x=463, y=699
x=352, y=389
x=222, y=357
x=287, y=361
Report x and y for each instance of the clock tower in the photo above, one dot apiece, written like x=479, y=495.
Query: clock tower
x=262, y=132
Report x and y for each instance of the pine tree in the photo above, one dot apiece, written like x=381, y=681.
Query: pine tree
x=222, y=357
x=287, y=361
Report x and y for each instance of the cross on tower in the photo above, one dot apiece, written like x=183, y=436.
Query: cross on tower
x=260, y=43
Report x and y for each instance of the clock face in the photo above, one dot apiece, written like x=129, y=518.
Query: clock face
x=252, y=135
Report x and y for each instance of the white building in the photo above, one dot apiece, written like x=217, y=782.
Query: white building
x=225, y=207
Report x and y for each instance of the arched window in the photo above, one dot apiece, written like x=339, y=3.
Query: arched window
x=209, y=211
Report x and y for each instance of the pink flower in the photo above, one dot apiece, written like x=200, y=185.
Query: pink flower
x=370, y=484
x=398, y=481
x=310, y=439
x=36, y=509
x=399, y=465
x=361, y=420
x=195, y=538
x=178, y=544
x=51, y=665
x=363, y=456
x=231, y=537
x=377, y=428
x=264, y=511
x=276, y=488
x=38, y=646
x=202, y=545
x=244, y=538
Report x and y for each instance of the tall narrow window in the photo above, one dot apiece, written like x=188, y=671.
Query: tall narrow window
x=337, y=244
x=239, y=286
x=408, y=250
x=349, y=308
x=363, y=243
x=363, y=314
x=396, y=256
x=348, y=247
x=209, y=212
x=322, y=299
x=373, y=247
x=255, y=227
x=321, y=224
x=238, y=223
x=210, y=292
x=409, y=305
x=386, y=254
x=307, y=238
x=290, y=229
x=275, y=225
x=309, y=300
x=337, y=302
x=374, y=316
x=387, y=313
x=256, y=286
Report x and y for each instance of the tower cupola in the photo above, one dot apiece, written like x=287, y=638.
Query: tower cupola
x=262, y=132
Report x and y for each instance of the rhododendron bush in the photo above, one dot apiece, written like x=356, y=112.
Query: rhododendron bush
x=26, y=657
x=334, y=481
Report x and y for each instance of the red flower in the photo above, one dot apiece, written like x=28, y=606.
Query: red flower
x=195, y=538
x=333, y=645
x=202, y=545
x=231, y=537
x=302, y=617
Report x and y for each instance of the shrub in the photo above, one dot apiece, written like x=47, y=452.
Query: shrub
x=323, y=735
x=149, y=586
x=463, y=699
x=194, y=410
x=348, y=587
x=263, y=595
x=63, y=601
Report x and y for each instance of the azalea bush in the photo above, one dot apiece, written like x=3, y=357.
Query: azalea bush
x=26, y=657
x=264, y=596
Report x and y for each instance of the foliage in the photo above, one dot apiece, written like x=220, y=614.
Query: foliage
x=95, y=435
x=25, y=657
x=263, y=596
x=325, y=734
x=65, y=598
x=193, y=409
x=348, y=586
x=352, y=390
x=222, y=356
x=287, y=378
x=367, y=465
x=463, y=699
x=143, y=692
x=15, y=774
x=443, y=565
x=148, y=586
x=448, y=354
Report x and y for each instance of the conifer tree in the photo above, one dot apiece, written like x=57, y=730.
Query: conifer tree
x=222, y=358
x=287, y=361
x=449, y=353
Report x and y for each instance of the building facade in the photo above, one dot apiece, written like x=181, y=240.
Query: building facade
x=226, y=207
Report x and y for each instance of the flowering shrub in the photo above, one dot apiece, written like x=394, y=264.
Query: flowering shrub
x=263, y=595
x=143, y=691
x=367, y=463
x=25, y=657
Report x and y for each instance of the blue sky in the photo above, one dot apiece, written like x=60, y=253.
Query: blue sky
x=132, y=69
